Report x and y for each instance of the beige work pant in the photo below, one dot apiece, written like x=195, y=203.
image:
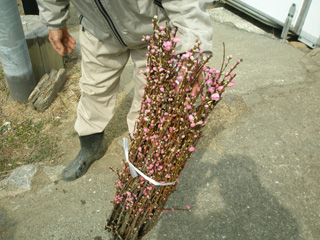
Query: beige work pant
x=102, y=64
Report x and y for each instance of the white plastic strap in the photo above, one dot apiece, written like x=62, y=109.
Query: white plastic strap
x=134, y=171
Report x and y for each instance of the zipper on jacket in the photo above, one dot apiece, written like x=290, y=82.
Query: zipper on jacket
x=112, y=26
x=80, y=18
x=158, y=3
x=80, y=21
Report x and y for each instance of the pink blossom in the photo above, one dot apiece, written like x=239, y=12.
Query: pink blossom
x=188, y=106
x=215, y=96
x=231, y=84
x=209, y=82
x=220, y=88
x=162, y=89
x=188, y=207
x=200, y=122
x=167, y=45
x=191, y=149
x=148, y=37
x=191, y=118
x=192, y=125
x=211, y=89
x=176, y=39
x=145, y=129
x=186, y=55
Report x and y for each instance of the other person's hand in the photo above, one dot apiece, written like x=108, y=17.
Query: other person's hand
x=62, y=41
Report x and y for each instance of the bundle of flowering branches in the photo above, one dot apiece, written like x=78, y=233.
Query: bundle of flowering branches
x=180, y=93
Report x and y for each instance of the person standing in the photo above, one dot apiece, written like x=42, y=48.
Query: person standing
x=111, y=32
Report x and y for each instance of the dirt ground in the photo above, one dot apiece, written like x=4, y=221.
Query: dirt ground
x=59, y=117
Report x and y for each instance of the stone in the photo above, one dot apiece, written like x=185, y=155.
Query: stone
x=21, y=177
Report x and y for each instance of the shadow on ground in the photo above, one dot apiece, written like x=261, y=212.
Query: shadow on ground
x=248, y=210
x=7, y=225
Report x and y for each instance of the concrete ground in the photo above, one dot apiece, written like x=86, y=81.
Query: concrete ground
x=255, y=173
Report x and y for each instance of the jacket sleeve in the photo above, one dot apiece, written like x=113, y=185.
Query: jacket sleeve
x=192, y=21
x=54, y=13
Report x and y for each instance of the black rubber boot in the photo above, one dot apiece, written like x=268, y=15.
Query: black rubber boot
x=92, y=149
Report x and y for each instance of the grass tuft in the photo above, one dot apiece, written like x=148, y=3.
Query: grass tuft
x=23, y=143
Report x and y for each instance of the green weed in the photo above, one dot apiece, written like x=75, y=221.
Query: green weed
x=23, y=143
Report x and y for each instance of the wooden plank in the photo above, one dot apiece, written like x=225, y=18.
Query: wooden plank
x=36, y=58
x=47, y=89
x=50, y=58
x=32, y=27
x=36, y=91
